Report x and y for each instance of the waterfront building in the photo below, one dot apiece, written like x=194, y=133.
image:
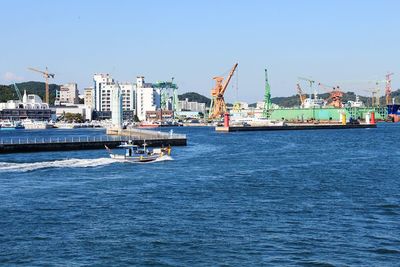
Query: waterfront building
x=158, y=115
x=100, y=91
x=69, y=94
x=31, y=107
x=148, y=98
x=74, y=109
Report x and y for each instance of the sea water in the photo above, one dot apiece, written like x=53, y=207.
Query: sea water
x=311, y=198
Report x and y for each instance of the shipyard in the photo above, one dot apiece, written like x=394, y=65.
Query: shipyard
x=199, y=133
x=111, y=104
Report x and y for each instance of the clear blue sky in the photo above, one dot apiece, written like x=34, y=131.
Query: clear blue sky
x=196, y=40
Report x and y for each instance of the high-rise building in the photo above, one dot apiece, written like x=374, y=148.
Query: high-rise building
x=104, y=86
x=69, y=94
x=102, y=89
x=148, y=98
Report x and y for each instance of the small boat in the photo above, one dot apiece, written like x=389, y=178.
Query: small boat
x=36, y=125
x=133, y=153
x=11, y=125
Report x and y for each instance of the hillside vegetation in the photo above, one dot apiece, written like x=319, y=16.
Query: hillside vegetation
x=7, y=92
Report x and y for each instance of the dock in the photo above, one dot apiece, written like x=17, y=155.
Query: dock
x=26, y=145
x=290, y=127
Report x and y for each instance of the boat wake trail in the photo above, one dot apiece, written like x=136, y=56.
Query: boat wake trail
x=66, y=163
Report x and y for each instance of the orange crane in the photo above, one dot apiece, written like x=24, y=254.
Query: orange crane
x=46, y=76
x=335, y=95
x=218, y=106
x=301, y=95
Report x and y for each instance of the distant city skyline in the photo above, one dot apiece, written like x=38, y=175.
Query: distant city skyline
x=329, y=41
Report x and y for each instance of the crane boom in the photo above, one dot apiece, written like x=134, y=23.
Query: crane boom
x=228, y=79
x=18, y=92
x=218, y=106
x=301, y=94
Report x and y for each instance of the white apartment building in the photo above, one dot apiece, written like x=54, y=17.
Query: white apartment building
x=147, y=98
x=102, y=83
x=69, y=94
x=186, y=105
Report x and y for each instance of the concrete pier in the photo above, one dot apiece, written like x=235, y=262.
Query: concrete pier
x=26, y=145
x=293, y=127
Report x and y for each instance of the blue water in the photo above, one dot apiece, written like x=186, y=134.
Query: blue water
x=302, y=198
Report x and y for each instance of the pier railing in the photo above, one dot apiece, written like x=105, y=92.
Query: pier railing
x=91, y=139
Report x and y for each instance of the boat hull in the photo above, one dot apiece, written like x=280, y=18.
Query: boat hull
x=136, y=159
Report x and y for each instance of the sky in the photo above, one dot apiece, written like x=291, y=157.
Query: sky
x=333, y=42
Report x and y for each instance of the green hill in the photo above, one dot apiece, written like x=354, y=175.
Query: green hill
x=7, y=92
x=195, y=97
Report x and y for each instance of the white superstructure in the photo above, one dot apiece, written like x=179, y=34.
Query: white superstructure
x=30, y=101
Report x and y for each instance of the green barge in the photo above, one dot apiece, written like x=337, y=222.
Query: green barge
x=326, y=113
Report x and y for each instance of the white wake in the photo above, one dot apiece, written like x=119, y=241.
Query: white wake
x=66, y=163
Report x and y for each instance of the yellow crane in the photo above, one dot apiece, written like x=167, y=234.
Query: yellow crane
x=218, y=106
x=46, y=76
x=301, y=95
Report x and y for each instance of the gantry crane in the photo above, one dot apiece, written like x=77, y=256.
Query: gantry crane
x=46, y=76
x=165, y=87
x=218, y=106
x=388, y=88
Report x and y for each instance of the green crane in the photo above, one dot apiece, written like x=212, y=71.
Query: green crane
x=165, y=87
x=18, y=92
x=267, y=98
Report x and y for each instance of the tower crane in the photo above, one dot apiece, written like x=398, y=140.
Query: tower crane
x=218, y=106
x=388, y=88
x=46, y=76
